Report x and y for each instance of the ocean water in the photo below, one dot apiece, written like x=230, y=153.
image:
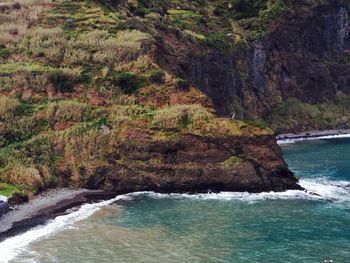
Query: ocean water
x=294, y=226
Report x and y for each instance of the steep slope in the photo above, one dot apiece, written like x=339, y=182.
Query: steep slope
x=293, y=72
x=124, y=95
x=283, y=62
x=90, y=97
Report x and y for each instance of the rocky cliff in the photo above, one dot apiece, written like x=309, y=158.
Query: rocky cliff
x=191, y=163
x=303, y=55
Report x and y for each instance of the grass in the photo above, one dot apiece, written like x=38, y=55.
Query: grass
x=68, y=110
x=181, y=116
x=8, y=107
x=8, y=189
x=12, y=68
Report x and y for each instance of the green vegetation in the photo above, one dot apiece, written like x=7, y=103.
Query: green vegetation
x=182, y=84
x=295, y=115
x=78, y=78
x=157, y=76
x=8, y=190
x=128, y=82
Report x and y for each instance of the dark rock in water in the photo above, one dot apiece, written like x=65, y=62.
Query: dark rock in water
x=17, y=199
x=4, y=205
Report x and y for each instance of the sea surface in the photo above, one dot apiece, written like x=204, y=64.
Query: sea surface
x=293, y=226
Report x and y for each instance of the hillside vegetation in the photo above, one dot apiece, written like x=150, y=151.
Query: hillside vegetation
x=88, y=87
x=78, y=76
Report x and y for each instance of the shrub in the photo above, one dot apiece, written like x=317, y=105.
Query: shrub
x=274, y=9
x=34, y=152
x=296, y=115
x=128, y=82
x=6, y=83
x=181, y=116
x=220, y=41
x=183, y=84
x=11, y=32
x=26, y=176
x=15, y=130
x=343, y=100
x=5, y=53
x=17, y=15
x=64, y=81
x=91, y=40
x=157, y=76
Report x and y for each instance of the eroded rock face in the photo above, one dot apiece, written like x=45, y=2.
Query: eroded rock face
x=196, y=164
x=218, y=77
x=302, y=57
x=302, y=51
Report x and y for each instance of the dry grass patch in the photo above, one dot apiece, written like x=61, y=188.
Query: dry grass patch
x=68, y=110
x=47, y=42
x=17, y=16
x=86, y=153
x=181, y=116
x=28, y=176
x=8, y=107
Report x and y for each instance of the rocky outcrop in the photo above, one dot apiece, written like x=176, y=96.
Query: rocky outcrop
x=194, y=164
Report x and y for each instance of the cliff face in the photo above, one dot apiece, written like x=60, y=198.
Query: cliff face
x=304, y=55
x=189, y=164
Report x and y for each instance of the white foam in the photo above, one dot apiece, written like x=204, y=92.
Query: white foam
x=339, y=136
x=327, y=137
x=12, y=247
x=316, y=189
x=335, y=191
x=230, y=196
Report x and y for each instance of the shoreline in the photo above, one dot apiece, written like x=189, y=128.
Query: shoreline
x=311, y=135
x=55, y=202
x=46, y=206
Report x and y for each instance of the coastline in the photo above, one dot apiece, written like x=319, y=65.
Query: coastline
x=55, y=202
x=311, y=135
x=47, y=205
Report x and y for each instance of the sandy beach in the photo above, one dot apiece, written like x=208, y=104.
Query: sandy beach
x=46, y=206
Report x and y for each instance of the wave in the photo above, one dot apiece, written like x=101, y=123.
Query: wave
x=12, y=247
x=336, y=191
x=339, y=136
x=327, y=137
x=316, y=189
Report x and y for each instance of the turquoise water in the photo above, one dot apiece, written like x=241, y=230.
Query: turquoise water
x=294, y=226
